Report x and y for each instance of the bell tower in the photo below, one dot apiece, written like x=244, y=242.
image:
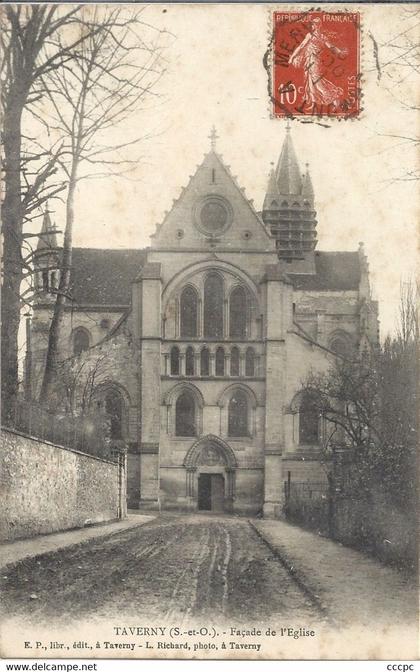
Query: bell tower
x=46, y=260
x=288, y=209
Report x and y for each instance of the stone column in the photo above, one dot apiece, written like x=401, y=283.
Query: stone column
x=197, y=364
x=200, y=318
x=149, y=311
x=229, y=490
x=182, y=364
x=242, y=364
x=225, y=318
x=227, y=363
x=278, y=321
x=212, y=358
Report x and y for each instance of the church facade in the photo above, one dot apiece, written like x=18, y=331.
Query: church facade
x=207, y=336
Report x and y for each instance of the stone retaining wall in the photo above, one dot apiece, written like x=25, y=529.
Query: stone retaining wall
x=46, y=488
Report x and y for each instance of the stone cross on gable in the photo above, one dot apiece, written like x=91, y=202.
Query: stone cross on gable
x=213, y=137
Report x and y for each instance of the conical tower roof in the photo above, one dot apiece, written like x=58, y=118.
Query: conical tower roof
x=289, y=180
x=307, y=188
x=272, y=197
x=48, y=237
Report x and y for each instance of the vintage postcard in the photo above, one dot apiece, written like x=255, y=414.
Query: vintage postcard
x=209, y=331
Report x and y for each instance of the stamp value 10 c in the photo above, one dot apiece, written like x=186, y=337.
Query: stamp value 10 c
x=316, y=64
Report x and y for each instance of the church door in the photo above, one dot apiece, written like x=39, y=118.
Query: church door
x=211, y=492
x=204, y=492
x=217, y=492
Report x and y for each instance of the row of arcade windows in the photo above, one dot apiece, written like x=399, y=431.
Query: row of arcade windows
x=220, y=368
x=186, y=416
x=213, y=315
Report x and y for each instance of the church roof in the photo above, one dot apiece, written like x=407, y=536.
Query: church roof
x=104, y=277
x=334, y=271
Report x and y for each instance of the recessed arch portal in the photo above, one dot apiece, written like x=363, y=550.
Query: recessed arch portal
x=195, y=453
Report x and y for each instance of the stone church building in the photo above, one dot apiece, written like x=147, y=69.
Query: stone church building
x=208, y=335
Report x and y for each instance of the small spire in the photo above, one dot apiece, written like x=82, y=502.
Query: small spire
x=288, y=126
x=213, y=137
x=48, y=239
x=272, y=197
x=307, y=188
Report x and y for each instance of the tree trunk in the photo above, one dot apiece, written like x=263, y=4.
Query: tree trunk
x=63, y=290
x=12, y=261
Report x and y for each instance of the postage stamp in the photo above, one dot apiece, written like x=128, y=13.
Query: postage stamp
x=316, y=64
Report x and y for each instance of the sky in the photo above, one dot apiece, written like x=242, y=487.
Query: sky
x=215, y=75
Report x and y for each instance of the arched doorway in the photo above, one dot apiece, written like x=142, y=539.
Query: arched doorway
x=211, y=467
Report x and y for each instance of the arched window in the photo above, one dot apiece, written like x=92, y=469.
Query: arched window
x=189, y=361
x=174, y=361
x=250, y=362
x=189, y=312
x=80, y=341
x=185, y=415
x=234, y=362
x=205, y=362
x=213, y=306
x=237, y=313
x=220, y=362
x=340, y=346
x=238, y=414
x=309, y=417
x=114, y=406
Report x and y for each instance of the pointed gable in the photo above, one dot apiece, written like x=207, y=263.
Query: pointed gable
x=212, y=210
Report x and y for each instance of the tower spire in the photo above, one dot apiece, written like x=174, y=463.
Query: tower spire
x=288, y=209
x=48, y=237
x=272, y=197
x=307, y=188
x=289, y=180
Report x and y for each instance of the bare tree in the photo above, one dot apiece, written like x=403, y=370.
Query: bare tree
x=111, y=76
x=396, y=60
x=370, y=405
x=77, y=383
x=31, y=49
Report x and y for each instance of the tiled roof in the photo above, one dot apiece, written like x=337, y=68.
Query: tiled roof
x=334, y=271
x=104, y=277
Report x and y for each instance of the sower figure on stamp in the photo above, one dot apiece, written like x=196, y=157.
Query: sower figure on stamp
x=307, y=55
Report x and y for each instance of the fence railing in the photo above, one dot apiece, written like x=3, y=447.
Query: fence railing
x=85, y=433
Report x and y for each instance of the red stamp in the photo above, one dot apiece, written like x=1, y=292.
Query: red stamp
x=316, y=64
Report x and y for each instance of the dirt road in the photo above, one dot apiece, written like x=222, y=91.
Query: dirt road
x=175, y=569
